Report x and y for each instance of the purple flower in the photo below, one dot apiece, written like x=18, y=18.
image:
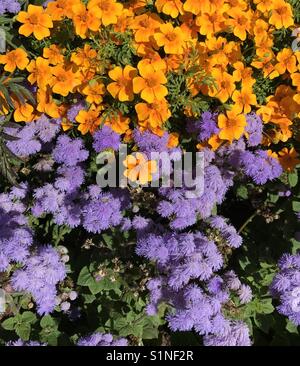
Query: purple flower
x=106, y=138
x=254, y=129
x=40, y=275
x=101, y=339
x=69, y=151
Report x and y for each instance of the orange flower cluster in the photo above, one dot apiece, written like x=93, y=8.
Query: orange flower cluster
x=219, y=47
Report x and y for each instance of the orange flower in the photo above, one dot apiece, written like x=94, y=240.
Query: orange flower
x=154, y=114
x=40, y=72
x=84, y=20
x=45, y=103
x=94, y=92
x=172, y=39
x=139, y=169
x=288, y=159
x=212, y=23
x=286, y=61
x=173, y=140
x=14, y=59
x=232, y=125
x=169, y=7
x=264, y=5
x=224, y=85
x=23, y=112
x=282, y=14
x=84, y=57
x=64, y=81
x=196, y=6
x=243, y=100
x=149, y=84
x=122, y=87
x=89, y=121
x=240, y=22
x=53, y=53
x=35, y=21
x=107, y=11
x=145, y=26
x=118, y=123
x=243, y=74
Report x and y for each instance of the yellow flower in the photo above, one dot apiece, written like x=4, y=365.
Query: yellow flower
x=150, y=83
x=107, y=11
x=35, y=21
x=94, y=92
x=139, y=169
x=243, y=100
x=122, y=87
x=64, y=81
x=89, y=121
x=232, y=125
x=288, y=159
x=14, y=59
x=282, y=14
x=172, y=39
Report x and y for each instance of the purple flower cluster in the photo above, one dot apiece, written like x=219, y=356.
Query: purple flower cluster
x=40, y=275
x=64, y=199
x=31, y=138
x=15, y=234
x=21, y=343
x=9, y=6
x=106, y=138
x=184, y=256
x=184, y=209
x=101, y=339
x=205, y=127
x=286, y=287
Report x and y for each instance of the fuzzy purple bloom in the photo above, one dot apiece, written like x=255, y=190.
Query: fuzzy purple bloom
x=106, y=138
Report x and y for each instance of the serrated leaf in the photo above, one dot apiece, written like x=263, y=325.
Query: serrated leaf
x=9, y=324
x=48, y=322
x=85, y=278
x=23, y=331
x=28, y=317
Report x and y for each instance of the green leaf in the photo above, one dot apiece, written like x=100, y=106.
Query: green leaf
x=291, y=328
x=9, y=324
x=85, y=278
x=264, y=306
x=23, y=331
x=28, y=317
x=296, y=206
x=293, y=179
x=48, y=322
x=242, y=192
